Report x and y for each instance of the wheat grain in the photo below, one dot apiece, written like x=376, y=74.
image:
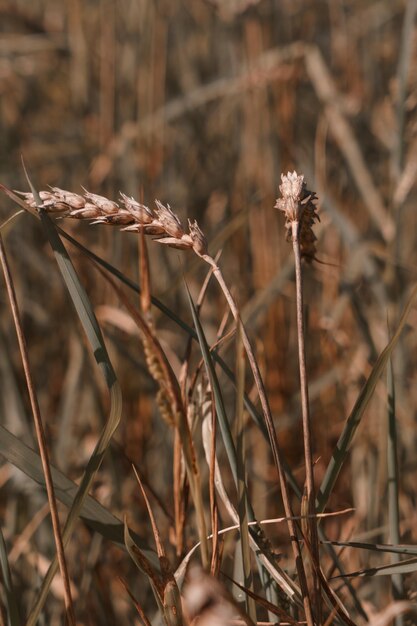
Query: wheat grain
x=128, y=213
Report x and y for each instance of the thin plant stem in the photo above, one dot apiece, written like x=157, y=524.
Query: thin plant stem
x=181, y=424
x=397, y=582
x=40, y=434
x=272, y=438
x=305, y=410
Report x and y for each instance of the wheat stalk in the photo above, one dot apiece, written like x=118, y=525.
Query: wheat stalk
x=165, y=225
x=40, y=434
x=298, y=205
x=128, y=212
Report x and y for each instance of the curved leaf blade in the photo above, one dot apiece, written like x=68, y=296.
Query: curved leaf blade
x=354, y=419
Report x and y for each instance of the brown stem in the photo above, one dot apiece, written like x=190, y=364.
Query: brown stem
x=40, y=434
x=305, y=410
x=272, y=438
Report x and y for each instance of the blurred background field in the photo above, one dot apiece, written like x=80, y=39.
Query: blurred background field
x=202, y=105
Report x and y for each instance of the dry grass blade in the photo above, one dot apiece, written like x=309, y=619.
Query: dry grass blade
x=159, y=545
x=196, y=104
x=397, y=582
x=211, y=458
x=402, y=567
x=165, y=220
x=335, y=602
x=207, y=433
x=93, y=333
x=241, y=476
x=145, y=276
x=298, y=205
x=275, y=610
x=232, y=457
x=164, y=309
x=353, y=421
x=171, y=599
x=146, y=567
x=215, y=386
x=13, y=617
x=138, y=607
x=268, y=419
x=272, y=438
x=257, y=537
x=400, y=549
x=348, y=145
x=405, y=57
x=6, y=223
x=98, y=518
x=179, y=415
x=40, y=434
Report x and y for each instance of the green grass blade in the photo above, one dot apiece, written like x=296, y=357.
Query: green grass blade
x=13, y=618
x=354, y=419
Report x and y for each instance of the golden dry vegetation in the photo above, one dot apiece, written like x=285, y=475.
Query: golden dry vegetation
x=202, y=105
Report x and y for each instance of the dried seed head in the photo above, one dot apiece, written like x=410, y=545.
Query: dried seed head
x=122, y=218
x=108, y=207
x=165, y=407
x=299, y=207
x=28, y=196
x=198, y=238
x=140, y=212
x=155, y=228
x=169, y=220
x=184, y=243
x=89, y=211
x=291, y=192
x=48, y=201
x=58, y=207
x=73, y=200
x=134, y=217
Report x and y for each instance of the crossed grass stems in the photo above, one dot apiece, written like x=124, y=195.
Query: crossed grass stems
x=299, y=207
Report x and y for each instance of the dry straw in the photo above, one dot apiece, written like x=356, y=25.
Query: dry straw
x=298, y=205
x=164, y=224
x=128, y=212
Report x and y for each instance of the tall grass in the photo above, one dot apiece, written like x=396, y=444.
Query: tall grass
x=303, y=584
x=261, y=467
